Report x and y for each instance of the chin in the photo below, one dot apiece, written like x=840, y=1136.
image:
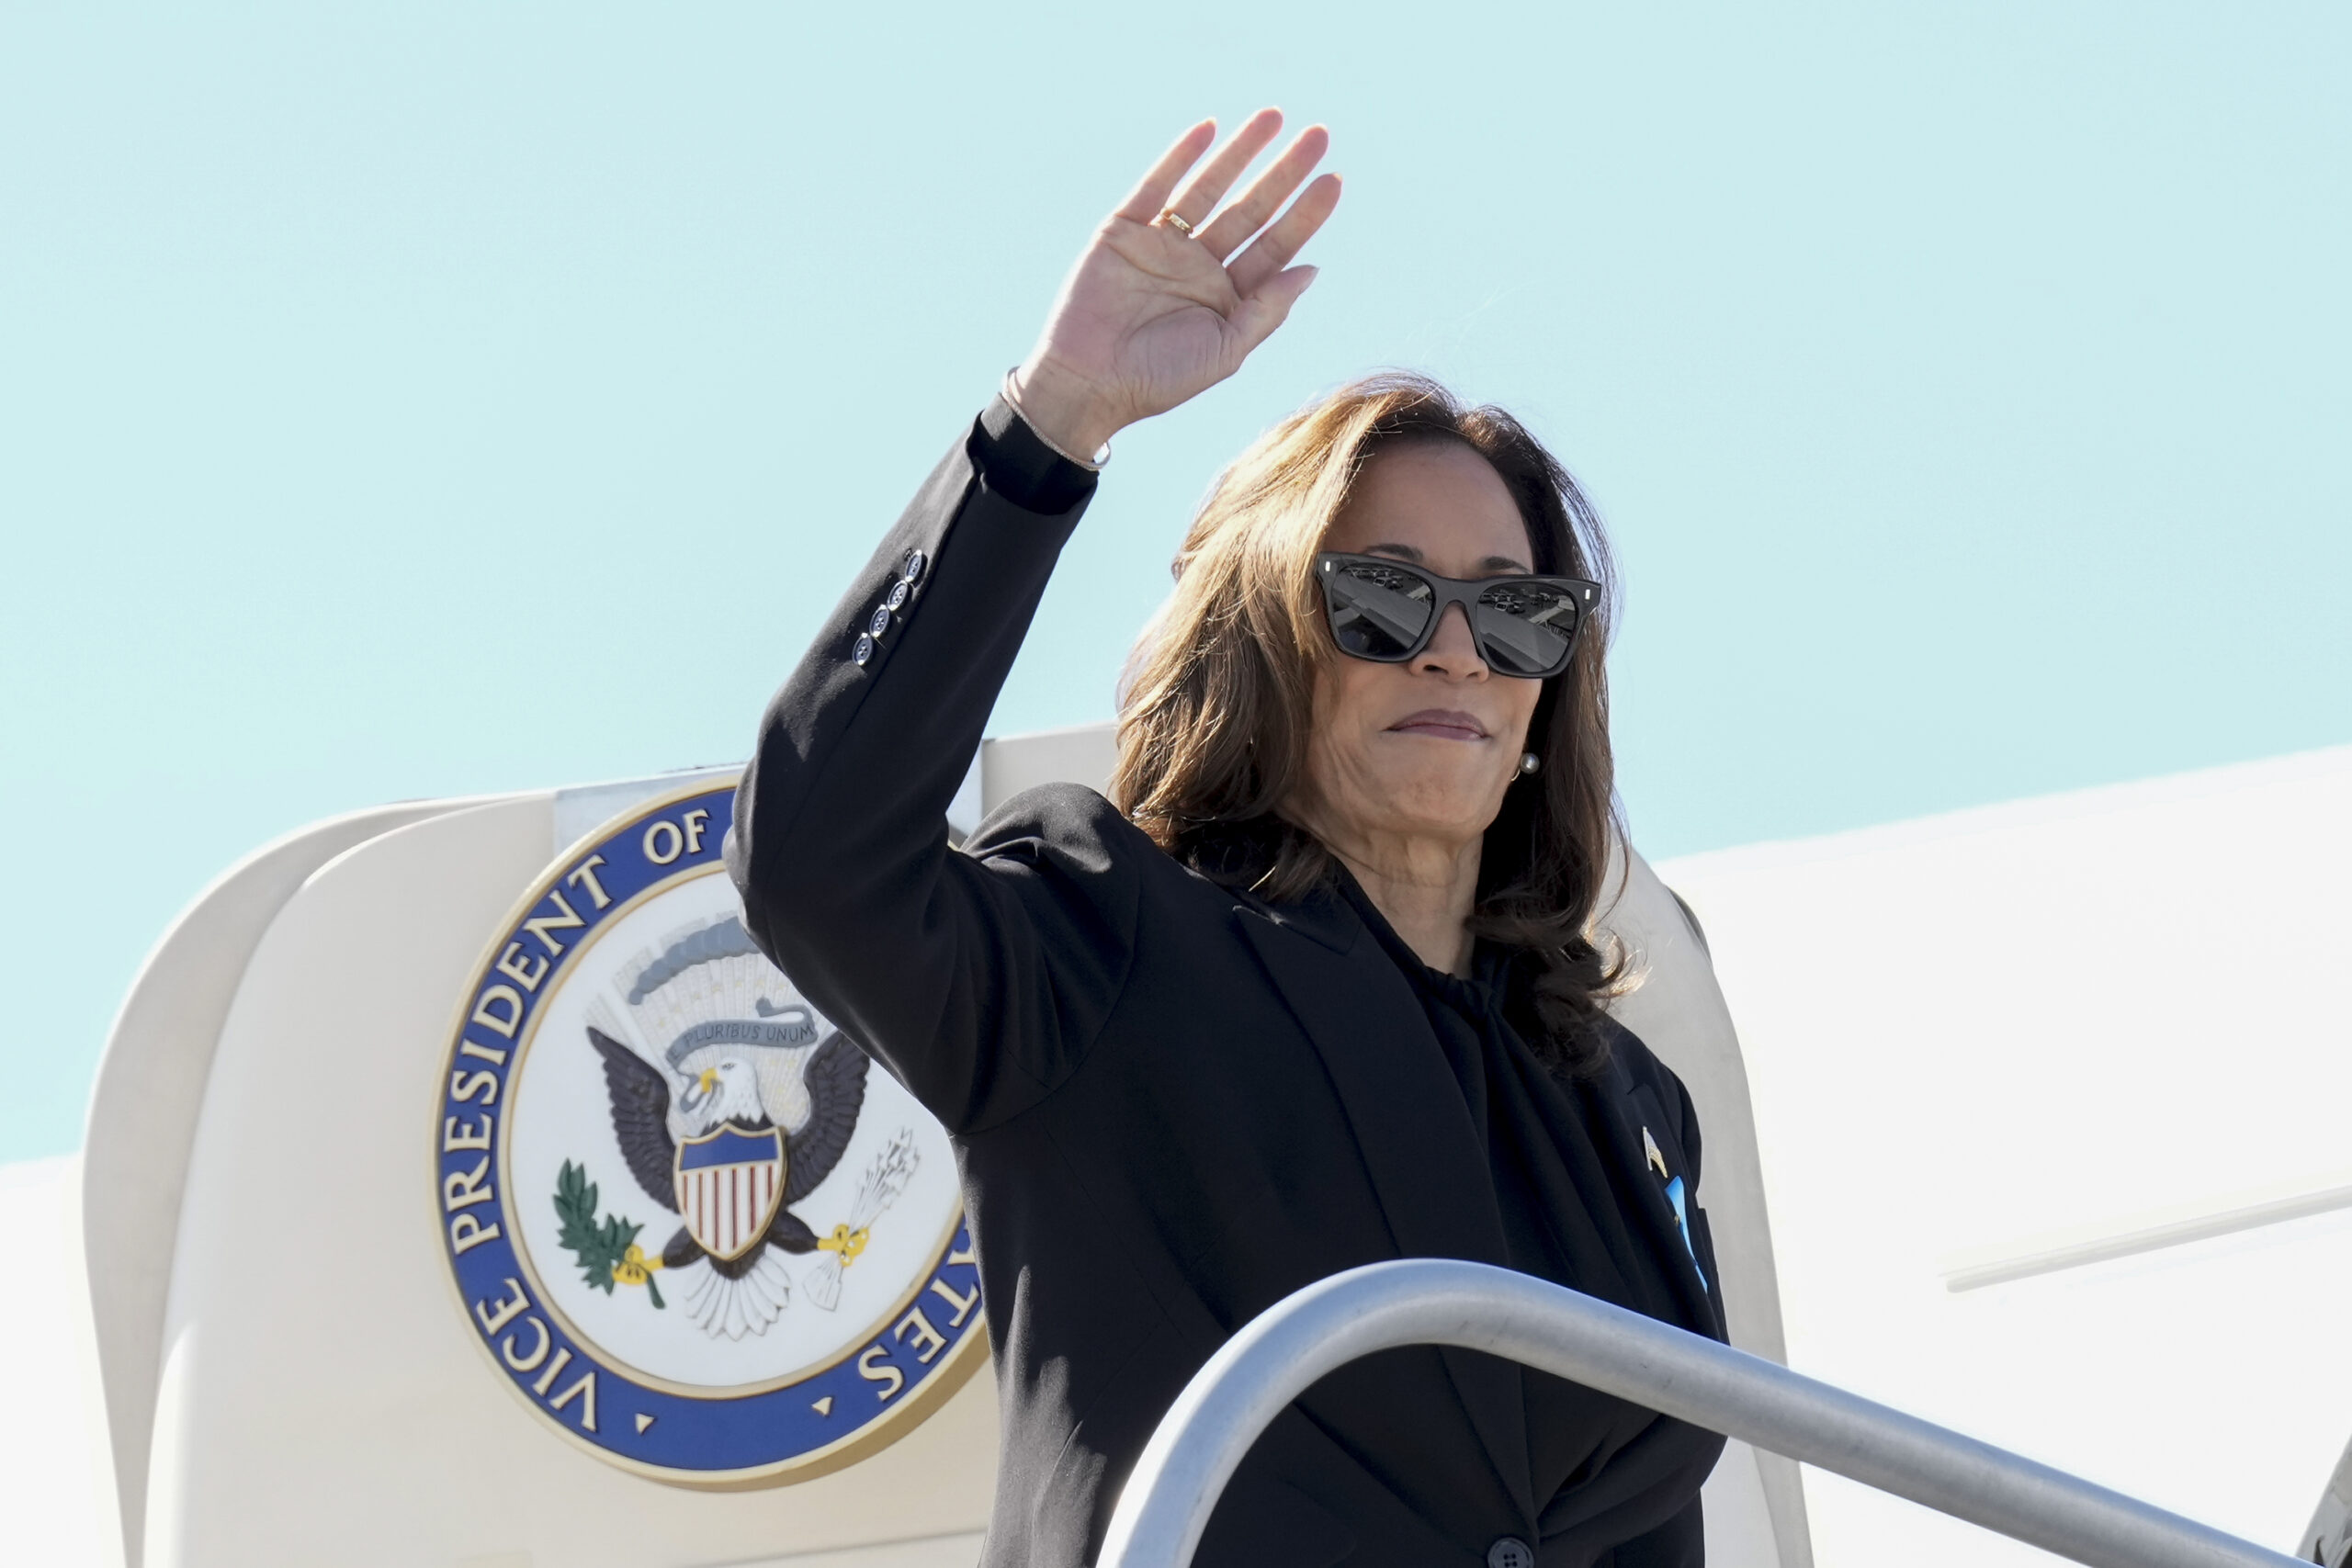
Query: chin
x=1446, y=807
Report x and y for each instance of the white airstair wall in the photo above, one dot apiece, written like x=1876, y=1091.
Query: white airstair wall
x=2019, y=1039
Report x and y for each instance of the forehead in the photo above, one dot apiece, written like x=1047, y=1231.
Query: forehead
x=1442, y=503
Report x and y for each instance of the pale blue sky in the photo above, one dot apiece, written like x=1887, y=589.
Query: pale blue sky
x=407, y=400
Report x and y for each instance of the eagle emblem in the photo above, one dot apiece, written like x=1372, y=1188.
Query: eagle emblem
x=747, y=1113
x=690, y=1226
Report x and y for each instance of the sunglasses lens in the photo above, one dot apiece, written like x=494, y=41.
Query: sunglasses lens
x=1527, y=628
x=1377, y=611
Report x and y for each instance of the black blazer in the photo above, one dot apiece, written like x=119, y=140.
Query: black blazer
x=1174, y=1104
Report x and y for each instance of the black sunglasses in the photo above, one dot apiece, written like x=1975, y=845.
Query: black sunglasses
x=1387, y=611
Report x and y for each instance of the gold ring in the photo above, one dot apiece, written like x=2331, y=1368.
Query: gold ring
x=1175, y=221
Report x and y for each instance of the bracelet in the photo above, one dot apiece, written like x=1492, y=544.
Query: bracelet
x=1102, y=454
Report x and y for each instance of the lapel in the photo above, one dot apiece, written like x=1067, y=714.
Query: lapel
x=1627, y=1112
x=1410, y=1124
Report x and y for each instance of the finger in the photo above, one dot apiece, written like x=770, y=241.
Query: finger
x=1259, y=314
x=1145, y=202
x=1273, y=249
x=1266, y=194
x=1217, y=177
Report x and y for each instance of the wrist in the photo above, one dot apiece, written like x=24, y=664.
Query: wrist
x=1064, y=410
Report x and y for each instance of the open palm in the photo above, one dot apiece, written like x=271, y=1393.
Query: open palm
x=1152, y=314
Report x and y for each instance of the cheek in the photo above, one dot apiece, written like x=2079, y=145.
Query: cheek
x=1337, y=749
x=1523, y=710
x=1343, y=694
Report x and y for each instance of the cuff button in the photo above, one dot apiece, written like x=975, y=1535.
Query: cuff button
x=879, y=623
x=898, y=595
x=911, y=568
x=862, y=652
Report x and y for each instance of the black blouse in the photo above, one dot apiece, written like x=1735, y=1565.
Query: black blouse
x=1565, y=1220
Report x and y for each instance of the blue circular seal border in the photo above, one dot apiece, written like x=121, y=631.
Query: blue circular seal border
x=719, y=1440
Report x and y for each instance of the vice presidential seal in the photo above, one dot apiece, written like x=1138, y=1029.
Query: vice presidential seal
x=689, y=1222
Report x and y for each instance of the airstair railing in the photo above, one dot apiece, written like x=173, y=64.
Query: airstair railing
x=1280, y=1354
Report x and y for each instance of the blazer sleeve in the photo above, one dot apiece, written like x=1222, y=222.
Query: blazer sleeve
x=978, y=981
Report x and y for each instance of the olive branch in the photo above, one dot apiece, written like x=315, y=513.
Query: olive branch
x=607, y=1249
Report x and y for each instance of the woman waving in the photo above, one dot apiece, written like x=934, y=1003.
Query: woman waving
x=1317, y=985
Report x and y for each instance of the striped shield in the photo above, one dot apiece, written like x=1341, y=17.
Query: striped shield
x=730, y=1182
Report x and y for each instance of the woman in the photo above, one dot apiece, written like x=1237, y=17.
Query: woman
x=1318, y=989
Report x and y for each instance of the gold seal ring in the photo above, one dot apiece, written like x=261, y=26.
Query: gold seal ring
x=1175, y=220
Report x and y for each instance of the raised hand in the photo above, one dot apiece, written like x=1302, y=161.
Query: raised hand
x=1161, y=306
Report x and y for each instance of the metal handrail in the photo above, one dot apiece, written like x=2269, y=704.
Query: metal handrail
x=1275, y=1357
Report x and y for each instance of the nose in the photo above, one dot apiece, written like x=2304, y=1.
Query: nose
x=1453, y=652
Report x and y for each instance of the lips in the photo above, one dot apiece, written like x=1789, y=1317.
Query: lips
x=1441, y=724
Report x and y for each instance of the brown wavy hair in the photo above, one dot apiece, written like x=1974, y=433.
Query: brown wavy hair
x=1217, y=698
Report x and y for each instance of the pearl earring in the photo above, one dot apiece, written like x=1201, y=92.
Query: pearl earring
x=1528, y=762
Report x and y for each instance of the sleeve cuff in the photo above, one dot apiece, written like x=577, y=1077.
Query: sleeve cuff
x=1023, y=468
